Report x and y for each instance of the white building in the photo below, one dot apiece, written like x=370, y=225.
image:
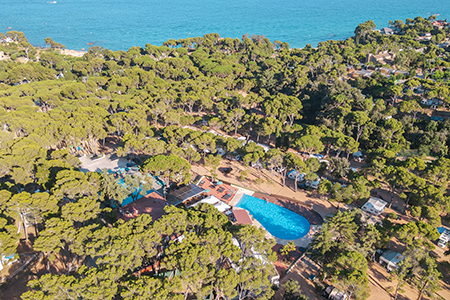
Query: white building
x=219, y=205
x=374, y=206
x=390, y=259
x=220, y=151
x=274, y=279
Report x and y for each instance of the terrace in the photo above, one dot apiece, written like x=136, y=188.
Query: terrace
x=220, y=190
x=108, y=162
x=152, y=204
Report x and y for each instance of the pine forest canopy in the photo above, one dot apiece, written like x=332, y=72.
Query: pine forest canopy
x=159, y=107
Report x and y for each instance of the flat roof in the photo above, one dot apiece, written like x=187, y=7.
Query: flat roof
x=152, y=204
x=242, y=216
x=392, y=256
x=185, y=193
x=375, y=203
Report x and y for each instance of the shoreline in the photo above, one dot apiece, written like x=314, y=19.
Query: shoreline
x=70, y=52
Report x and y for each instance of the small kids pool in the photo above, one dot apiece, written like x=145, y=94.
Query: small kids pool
x=279, y=221
x=129, y=199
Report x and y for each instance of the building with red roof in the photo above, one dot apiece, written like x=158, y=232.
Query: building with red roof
x=242, y=216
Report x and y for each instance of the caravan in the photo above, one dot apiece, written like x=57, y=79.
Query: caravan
x=292, y=174
x=444, y=238
x=313, y=184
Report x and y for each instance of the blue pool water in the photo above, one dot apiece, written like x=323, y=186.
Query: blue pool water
x=129, y=199
x=119, y=24
x=279, y=221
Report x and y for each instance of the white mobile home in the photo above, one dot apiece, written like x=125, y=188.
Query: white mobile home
x=374, y=206
x=390, y=259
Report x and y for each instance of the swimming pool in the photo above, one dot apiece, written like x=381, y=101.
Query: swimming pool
x=279, y=221
x=136, y=193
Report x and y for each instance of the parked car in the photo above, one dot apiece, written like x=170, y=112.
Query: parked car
x=302, y=185
x=226, y=170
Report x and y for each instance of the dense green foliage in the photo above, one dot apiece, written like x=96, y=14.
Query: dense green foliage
x=198, y=263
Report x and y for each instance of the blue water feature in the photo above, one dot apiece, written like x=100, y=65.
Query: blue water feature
x=159, y=181
x=279, y=221
x=129, y=199
x=119, y=24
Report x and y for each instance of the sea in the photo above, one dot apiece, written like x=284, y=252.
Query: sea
x=121, y=24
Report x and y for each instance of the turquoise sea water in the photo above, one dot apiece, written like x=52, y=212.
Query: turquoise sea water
x=279, y=221
x=119, y=25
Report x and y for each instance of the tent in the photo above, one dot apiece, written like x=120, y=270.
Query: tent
x=219, y=205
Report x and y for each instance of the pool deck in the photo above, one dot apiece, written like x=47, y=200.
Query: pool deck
x=109, y=162
x=224, y=192
x=240, y=192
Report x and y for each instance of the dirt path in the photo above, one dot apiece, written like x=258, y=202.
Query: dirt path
x=18, y=285
x=300, y=273
x=378, y=283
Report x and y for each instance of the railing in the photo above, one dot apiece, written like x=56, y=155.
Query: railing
x=288, y=270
